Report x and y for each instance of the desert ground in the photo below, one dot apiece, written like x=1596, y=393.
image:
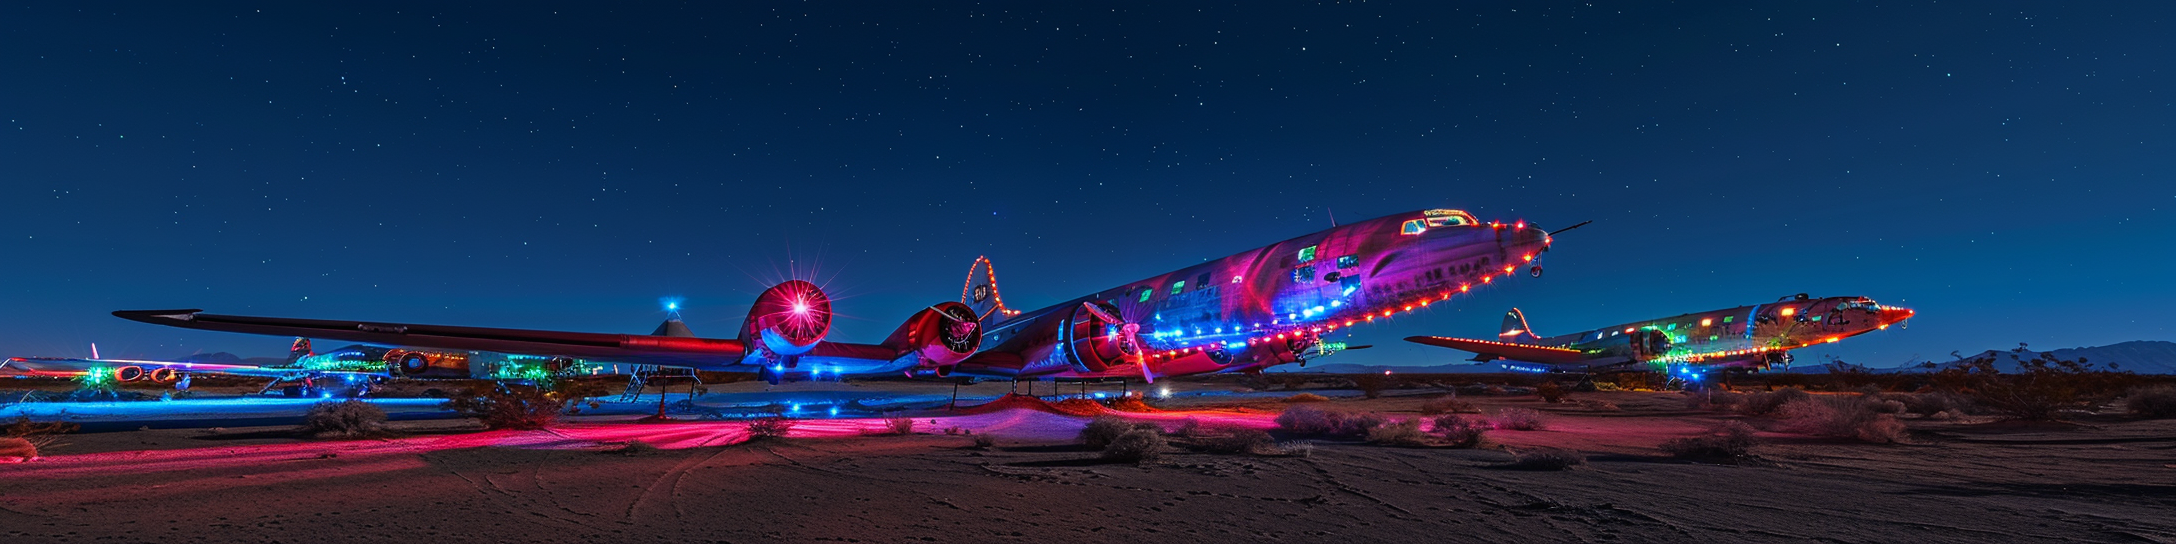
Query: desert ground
x=831, y=480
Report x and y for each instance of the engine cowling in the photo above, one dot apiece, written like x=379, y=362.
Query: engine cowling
x=940, y=336
x=1090, y=342
x=789, y=318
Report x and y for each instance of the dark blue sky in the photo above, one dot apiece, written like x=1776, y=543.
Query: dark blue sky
x=2003, y=167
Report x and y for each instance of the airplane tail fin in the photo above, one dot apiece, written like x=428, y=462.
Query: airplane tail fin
x=1516, y=330
x=298, y=350
x=980, y=293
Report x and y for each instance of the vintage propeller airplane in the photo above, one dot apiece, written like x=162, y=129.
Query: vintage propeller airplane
x=1745, y=338
x=1259, y=308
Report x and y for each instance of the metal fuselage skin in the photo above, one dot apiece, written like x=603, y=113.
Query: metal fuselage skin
x=1745, y=337
x=1269, y=305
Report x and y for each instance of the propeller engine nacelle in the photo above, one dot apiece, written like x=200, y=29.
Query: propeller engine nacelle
x=788, y=319
x=1094, y=340
x=940, y=336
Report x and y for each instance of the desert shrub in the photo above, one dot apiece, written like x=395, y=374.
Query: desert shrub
x=2042, y=388
x=1311, y=421
x=19, y=447
x=1607, y=386
x=985, y=441
x=1517, y=419
x=1930, y=403
x=1546, y=459
x=1766, y=402
x=1448, y=404
x=23, y=427
x=634, y=447
x=1462, y=432
x=770, y=427
x=1731, y=440
x=1598, y=405
x=516, y=406
x=1237, y=440
x=1550, y=392
x=1306, y=397
x=1139, y=445
x=1841, y=416
x=1371, y=385
x=1102, y=430
x=1401, y=433
x=899, y=425
x=345, y=419
x=1192, y=427
x=1713, y=399
x=1283, y=449
x=2154, y=402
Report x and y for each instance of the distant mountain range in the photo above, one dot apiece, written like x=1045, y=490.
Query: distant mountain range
x=2140, y=356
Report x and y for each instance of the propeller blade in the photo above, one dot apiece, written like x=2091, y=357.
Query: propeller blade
x=1561, y=231
x=1100, y=313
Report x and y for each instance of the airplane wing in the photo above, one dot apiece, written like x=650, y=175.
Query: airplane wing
x=1488, y=350
x=701, y=353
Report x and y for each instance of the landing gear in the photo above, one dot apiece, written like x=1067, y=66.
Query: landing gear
x=1536, y=271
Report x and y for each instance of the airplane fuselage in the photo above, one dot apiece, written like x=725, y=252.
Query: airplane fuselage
x=1268, y=305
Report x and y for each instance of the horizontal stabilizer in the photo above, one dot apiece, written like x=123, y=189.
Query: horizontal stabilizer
x=1517, y=352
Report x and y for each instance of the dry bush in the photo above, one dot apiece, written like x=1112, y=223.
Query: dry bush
x=2041, y=389
x=1462, y=432
x=769, y=427
x=1311, y=421
x=1284, y=449
x=634, y=447
x=1192, y=427
x=1517, y=419
x=18, y=447
x=1371, y=385
x=1841, y=416
x=1764, y=403
x=1448, y=404
x=345, y=419
x=899, y=425
x=516, y=406
x=23, y=427
x=1102, y=431
x=1139, y=445
x=1598, y=405
x=1402, y=433
x=1546, y=459
x=2153, y=402
x=1306, y=397
x=1729, y=441
x=1930, y=403
x=985, y=441
x=1712, y=399
x=1550, y=392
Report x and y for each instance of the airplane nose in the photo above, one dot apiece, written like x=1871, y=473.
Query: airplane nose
x=1892, y=314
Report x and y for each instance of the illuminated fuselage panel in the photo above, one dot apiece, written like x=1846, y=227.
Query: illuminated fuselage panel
x=1264, y=306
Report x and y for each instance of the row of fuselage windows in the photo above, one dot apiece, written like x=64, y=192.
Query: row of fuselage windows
x=1672, y=328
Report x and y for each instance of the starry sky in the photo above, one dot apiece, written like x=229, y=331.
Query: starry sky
x=2003, y=167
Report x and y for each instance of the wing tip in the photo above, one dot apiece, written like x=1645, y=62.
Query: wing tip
x=154, y=316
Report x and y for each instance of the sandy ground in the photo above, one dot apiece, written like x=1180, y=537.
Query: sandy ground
x=2110, y=481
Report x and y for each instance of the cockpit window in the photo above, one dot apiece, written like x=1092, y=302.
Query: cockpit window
x=1307, y=254
x=1413, y=227
x=1449, y=218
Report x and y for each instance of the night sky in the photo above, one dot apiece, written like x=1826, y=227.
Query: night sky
x=2002, y=167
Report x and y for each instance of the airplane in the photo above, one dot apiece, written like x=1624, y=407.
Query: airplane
x=1252, y=310
x=317, y=375
x=1245, y=312
x=1741, y=339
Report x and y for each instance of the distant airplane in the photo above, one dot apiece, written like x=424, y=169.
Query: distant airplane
x=1743, y=338
x=1245, y=312
x=314, y=375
